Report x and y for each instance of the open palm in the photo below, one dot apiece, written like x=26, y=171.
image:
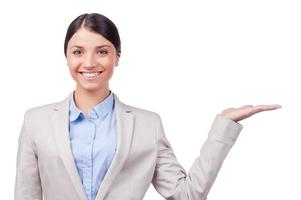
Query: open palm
x=238, y=114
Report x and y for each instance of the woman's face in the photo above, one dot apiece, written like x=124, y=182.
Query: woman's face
x=91, y=59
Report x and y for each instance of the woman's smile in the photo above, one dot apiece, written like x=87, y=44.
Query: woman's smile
x=90, y=75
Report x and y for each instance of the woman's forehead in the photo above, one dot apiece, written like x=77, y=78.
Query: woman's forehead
x=85, y=37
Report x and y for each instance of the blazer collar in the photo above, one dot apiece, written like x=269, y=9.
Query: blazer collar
x=60, y=124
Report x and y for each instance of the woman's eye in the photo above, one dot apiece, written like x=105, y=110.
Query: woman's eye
x=76, y=52
x=103, y=52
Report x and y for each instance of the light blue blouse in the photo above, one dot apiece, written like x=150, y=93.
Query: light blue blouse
x=93, y=142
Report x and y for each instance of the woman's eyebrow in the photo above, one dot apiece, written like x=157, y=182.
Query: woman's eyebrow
x=105, y=45
x=76, y=46
x=101, y=46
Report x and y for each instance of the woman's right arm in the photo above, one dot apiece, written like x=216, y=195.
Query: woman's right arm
x=28, y=184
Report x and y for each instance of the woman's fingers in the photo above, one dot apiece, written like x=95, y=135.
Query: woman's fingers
x=237, y=114
x=247, y=106
x=261, y=108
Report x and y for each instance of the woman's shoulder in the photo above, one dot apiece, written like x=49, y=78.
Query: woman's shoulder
x=45, y=109
x=145, y=117
x=135, y=110
x=41, y=110
x=141, y=113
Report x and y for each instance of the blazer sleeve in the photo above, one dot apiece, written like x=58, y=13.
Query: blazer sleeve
x=171, y=180
x=27, y=183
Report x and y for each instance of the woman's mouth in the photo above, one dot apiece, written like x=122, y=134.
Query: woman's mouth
x=90, y=75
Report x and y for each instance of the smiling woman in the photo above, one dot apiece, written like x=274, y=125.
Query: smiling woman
x=92, y=48
x=92, y=146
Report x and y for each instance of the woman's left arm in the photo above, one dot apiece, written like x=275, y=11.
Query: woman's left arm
x=171, y=180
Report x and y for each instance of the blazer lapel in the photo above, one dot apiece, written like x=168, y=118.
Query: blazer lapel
x=125, y=123
x=60, y=124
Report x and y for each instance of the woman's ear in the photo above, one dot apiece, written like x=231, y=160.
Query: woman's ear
x=117, y=59
x=67, y=60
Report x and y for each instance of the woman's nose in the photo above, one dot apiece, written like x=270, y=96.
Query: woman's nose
x=89, y=61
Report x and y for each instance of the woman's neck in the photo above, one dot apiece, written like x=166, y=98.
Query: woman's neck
x=85, y=100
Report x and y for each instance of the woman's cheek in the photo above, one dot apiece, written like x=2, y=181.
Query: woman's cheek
x=73, y=73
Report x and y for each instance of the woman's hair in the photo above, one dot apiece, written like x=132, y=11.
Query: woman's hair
x=96, y=23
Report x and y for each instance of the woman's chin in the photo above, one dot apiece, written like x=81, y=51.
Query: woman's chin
x=90, y=87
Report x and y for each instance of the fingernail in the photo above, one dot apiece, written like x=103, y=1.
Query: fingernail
x=278, y=106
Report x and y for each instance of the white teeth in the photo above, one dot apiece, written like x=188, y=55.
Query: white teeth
x=90, y=74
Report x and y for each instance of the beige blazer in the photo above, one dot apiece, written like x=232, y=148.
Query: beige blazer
x=46, y=168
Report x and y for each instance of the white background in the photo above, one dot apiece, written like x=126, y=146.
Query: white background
x=186, y=60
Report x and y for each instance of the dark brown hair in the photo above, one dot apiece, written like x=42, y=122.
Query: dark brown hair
x=97, y=23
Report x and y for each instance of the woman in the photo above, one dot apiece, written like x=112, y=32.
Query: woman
x=92, y=146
